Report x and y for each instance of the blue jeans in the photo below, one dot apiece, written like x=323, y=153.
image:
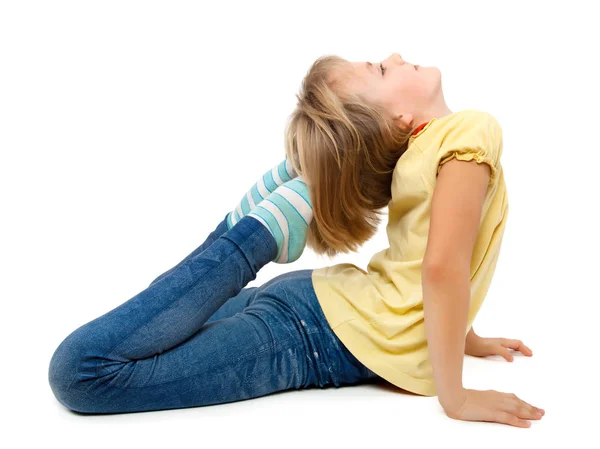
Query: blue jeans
x=197, y=337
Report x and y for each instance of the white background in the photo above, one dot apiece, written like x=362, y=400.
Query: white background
x=129, y=128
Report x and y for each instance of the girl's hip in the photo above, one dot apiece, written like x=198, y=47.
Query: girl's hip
x=291, y=298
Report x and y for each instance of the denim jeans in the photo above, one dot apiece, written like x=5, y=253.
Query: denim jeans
x=197, y=336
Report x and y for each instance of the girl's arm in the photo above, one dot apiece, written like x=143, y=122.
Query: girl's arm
x=455, y=217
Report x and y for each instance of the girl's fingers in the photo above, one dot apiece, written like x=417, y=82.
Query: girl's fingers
x=527, y=351
x=502, y=351
x=510, y=419
x=522, y=409
x=517, y=345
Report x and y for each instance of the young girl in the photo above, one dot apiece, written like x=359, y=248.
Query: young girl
x=363, y=136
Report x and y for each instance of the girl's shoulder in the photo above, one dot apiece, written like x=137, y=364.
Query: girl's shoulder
x=469, y=122
x=476, y=115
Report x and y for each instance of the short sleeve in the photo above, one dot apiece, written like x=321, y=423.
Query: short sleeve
x=475, y=135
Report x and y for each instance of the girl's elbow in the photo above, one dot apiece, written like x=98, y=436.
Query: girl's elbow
x=445, y=271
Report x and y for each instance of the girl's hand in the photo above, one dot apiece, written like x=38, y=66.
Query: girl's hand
x=493, y=406
x=477, y=346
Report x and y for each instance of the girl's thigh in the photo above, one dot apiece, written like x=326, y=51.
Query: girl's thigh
x=229, y=359
x=234, y=305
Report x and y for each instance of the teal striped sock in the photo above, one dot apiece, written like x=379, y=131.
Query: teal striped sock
x=267, y=184
x=287, y=213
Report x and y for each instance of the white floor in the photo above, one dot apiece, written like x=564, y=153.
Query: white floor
x=377, y=415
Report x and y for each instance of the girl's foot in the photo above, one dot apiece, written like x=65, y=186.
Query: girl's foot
x=286, y=213
x=267, y=184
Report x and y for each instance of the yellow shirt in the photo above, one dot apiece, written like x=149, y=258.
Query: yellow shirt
x=378, y=314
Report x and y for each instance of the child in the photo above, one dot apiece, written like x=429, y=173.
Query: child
x=363, y=136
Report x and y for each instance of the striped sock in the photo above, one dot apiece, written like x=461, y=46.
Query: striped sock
x=287, y=213
x=267, y=184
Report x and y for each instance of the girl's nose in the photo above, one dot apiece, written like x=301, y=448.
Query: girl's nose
x=397, y=58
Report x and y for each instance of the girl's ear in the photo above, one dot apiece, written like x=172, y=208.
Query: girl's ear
x=404, y=121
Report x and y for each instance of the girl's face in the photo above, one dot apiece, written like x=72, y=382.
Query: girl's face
x=398, y=86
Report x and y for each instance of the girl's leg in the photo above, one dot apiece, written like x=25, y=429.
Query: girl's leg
x=219, y=231
x=247, y=296
x=234, y=305
x=93, y=365
x=281, y=341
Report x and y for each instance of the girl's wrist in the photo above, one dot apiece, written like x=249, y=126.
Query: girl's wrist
x=452, y=400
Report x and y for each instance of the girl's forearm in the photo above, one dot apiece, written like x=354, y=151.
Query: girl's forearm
x=446, y=297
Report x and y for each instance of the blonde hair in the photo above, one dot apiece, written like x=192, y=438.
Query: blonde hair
x=345, y=149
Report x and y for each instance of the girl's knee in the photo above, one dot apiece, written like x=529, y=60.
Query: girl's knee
x=72, y=371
